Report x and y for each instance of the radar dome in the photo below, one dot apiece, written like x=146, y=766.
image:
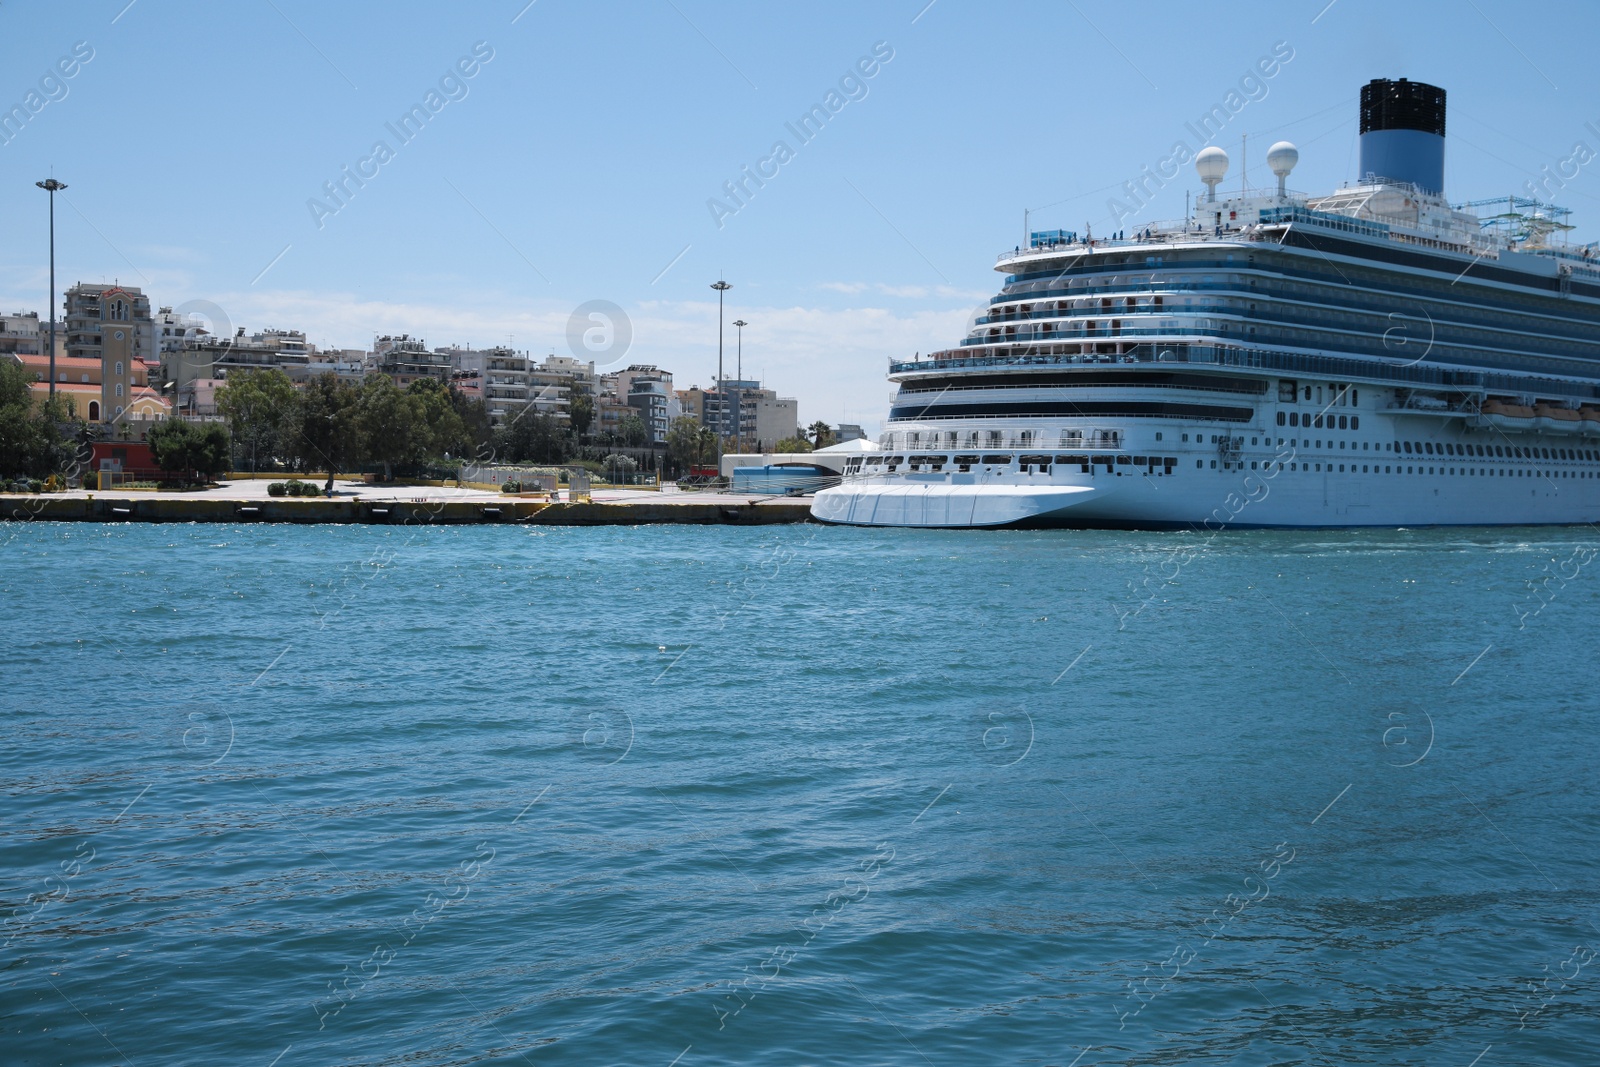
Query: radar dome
x=1211, y=164
x=1282, y=157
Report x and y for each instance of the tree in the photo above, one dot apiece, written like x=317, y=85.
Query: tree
x=687, y=442
x=33, y=437
x=580, y=408
x=394, y=430
x=190, y=449
x=446, y=433
x=528, y=437
x=259, y=406
x=620, y=468
x=475, y=424
x=821, y=434
x=328, y=430
x=797, y=443
x=633, y=431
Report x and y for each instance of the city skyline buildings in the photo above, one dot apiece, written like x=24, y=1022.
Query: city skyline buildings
x=872, y=242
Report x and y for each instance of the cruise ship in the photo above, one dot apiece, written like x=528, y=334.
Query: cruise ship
x=1377, y=356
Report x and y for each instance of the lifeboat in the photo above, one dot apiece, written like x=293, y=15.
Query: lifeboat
x=1511, y=417
x=1591, y=421
x=1553, y=418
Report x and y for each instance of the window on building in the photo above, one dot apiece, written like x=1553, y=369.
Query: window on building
x=119, y=393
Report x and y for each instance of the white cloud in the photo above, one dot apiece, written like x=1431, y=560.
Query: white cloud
x=909, y=292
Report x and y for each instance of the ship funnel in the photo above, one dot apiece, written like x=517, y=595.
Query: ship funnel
x=1402, y=133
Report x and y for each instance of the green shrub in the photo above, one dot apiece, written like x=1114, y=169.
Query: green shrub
x=295, y=486
x=277, y=489
x=91, y=481
x=511, y=487
x=35, y=485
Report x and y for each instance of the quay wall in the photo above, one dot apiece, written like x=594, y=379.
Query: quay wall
x=153, y=508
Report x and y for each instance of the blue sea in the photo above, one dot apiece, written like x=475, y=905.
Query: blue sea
x=286, y=796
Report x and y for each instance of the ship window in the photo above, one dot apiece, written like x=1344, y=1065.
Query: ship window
x=1281, y=418
x=1001, y=460
x=1213, y=464
x=1294, y=418
x=1427, y=446
x=1317, y=422
x=1355, y=397
x=1407, y=445
x=1546, y=452
x=1158, y=435
x=1344, y=423
x=1199, y=463
x=1355, y=422
x=1308, y=392
x=1186, y=438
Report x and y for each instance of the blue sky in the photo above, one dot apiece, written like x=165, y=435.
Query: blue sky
x=576, y=163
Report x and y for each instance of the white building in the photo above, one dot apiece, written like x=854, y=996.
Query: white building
x=173, y=331
x=21, y=334
x=502, y=375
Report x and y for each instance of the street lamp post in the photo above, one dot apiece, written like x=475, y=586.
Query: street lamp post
x=50, y=185
x=738, y=376
x=722, y=401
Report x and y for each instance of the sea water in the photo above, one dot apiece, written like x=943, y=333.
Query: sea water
x=364, y=795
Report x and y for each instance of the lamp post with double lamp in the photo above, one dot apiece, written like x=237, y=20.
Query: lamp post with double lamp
x=50, y=185
x=722, y=400
x=738, y=376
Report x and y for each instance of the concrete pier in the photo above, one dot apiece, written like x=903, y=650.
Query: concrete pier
x=354, y=502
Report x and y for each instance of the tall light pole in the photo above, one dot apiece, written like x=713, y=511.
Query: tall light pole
x=738, y=407
x=722, y=401
x=50, y=185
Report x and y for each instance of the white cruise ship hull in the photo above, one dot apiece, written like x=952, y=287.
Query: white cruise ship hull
x=1290, y=499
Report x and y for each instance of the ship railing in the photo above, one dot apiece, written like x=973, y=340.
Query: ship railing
x=1173, y=233
x=1295, y=363
x=1087, y=441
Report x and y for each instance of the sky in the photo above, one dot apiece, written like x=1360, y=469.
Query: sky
x=574, y=156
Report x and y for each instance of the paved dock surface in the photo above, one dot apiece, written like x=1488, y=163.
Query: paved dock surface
x=358, y=502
